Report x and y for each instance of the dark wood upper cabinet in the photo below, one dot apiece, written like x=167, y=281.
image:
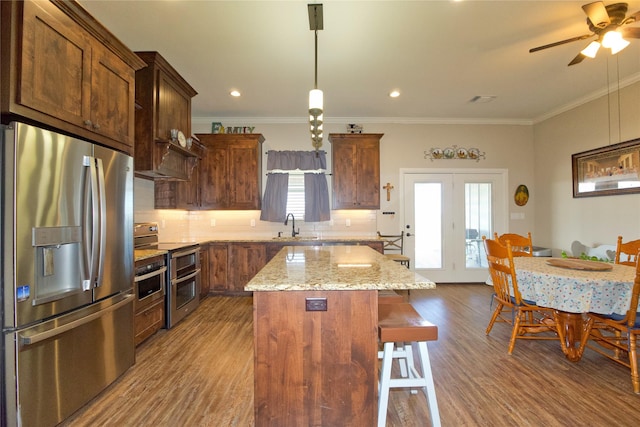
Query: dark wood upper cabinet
x=64, y=70
x=164, y=98
x=231, y=171
x=355, y=170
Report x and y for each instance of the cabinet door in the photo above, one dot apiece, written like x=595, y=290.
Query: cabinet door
x=218, y=264
x=204, y=271
x=214, y=176
x=173, y=108
x=244, y=182
x=356, y=171
x=112, y=96
x=55, y=73
x=367, y=167
x=188, y=192
x=245, y=262
x=273, y=249
x=344, y=175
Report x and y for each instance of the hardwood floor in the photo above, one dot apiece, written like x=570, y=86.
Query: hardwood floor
x=200, y=373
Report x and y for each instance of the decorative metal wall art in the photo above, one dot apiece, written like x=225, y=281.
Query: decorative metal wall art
x=454, y=152
x=216, y=127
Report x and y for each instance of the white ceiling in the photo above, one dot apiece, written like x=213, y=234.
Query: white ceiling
x=439, y=54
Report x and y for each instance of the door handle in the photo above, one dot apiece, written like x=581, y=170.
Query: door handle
x=35, y=338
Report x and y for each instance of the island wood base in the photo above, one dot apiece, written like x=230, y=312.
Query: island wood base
x=315, y=368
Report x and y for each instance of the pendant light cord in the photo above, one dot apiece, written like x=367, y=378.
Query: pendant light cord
x=315, y=81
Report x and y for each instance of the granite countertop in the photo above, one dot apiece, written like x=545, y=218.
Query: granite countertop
x=140, y=254
x=312, y=268
x=288, y=239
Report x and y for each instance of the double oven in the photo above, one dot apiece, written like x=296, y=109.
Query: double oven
x=181, y=274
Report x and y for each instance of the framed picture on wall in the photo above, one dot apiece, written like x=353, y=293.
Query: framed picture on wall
x=610, y=170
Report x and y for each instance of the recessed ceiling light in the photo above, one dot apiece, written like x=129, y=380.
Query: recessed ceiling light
x=234, y=93
x=394, y=93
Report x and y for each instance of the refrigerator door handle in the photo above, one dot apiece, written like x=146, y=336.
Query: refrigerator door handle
x=102, y=223
x=88, y=226
x=95, y=218
x=41, y=336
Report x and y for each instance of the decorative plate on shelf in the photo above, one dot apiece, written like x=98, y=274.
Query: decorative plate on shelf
x=181, y=139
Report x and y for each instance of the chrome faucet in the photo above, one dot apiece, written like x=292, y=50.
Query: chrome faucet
x=293, y=225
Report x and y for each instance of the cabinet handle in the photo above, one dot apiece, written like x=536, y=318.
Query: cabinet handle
x=96, y=126
x=87, y=123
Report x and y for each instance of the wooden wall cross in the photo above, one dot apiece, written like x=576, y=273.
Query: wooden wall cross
x=388, y=187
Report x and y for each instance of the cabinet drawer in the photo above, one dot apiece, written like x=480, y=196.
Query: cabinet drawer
x=147, y=322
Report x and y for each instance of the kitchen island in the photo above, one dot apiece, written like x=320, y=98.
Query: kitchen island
x=315, y=334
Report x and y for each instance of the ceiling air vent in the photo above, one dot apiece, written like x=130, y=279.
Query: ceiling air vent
x=482, y=99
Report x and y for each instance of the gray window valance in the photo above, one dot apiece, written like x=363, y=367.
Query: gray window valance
x=316, y=190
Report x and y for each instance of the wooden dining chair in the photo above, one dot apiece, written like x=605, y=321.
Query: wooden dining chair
x=616, y=335
x=520, y=245
x=627, y=253
x=528, y=320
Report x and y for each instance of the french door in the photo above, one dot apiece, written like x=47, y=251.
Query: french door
x=446, y=213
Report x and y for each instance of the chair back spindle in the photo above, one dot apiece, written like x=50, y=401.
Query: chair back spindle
x=627, y=252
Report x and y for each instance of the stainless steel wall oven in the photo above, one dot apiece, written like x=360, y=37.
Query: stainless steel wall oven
x=182, y=273
x=185, y=282
x=150, y=281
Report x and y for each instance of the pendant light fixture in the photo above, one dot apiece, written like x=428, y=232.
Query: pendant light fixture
x=315, y=95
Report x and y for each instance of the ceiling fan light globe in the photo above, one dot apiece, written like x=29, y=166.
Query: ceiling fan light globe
x=611, y=38
x=619, y=46
x=591, y=50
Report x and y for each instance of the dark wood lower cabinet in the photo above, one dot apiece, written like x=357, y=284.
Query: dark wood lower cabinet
x=233, y=264
x=218, y=267
x=148, y=321
x=245, y=260
x=315, y=368
x=205, y=277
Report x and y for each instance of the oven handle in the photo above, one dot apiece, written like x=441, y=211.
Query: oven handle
x=185, y=278
x=149, y=275
x=185, y=253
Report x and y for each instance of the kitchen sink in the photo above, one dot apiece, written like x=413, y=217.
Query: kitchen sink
x=295, y=239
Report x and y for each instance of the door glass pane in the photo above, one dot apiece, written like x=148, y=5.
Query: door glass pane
x=428, y=225
x=477, y=208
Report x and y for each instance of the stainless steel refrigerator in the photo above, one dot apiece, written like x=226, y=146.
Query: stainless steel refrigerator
x=67, y=272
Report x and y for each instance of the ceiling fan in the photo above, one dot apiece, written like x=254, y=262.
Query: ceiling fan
x=606, y=24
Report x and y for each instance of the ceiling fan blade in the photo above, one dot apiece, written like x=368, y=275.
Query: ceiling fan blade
x=597, y=13
x=631, y=32
x=573, y=39
x=578, y=59
x=634, y=17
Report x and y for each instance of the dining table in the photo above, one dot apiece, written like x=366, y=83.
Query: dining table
x=573, y=288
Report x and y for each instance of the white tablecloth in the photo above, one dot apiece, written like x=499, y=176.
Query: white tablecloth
x=575, y=291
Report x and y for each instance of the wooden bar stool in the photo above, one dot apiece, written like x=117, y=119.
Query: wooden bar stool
x=400, y=322
x=389, y=296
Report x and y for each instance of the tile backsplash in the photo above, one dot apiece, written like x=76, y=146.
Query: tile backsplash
x=180, y=225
